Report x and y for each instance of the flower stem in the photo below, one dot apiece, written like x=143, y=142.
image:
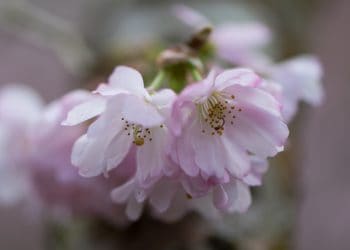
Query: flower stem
x=196, y=75
x=157, y=81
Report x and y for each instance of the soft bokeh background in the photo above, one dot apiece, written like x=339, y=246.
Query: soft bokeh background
x=51, y=54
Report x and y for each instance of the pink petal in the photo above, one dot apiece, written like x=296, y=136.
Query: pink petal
x=185, y=153
x=238, y=76
x=237, y=161
x=241, y=43
x=243, y=36
x=220, y=197
x=300, y=79
x=209, y=154
x=255, y=97
x=259, y=167
x=162, y=195
x=239, y=195
x=190, y=16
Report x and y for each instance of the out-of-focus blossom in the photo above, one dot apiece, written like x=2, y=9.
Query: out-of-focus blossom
x=35, y=155
x=242, y=43
x=300, y=78
x=239, y=43
x=218, y=121
x=131, y=116
x=56, y=182
x=20, y=109
x=170, y=198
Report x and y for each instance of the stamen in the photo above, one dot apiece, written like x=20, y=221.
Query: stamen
x=139, y=133
x=215, y=111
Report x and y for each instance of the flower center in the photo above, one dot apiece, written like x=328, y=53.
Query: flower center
x=216, y=112
x=140, y=134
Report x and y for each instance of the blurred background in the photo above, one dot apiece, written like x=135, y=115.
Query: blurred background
x=56, y=46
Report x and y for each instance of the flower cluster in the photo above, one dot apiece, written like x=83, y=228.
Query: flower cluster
x=204, y=142
x=129, y=147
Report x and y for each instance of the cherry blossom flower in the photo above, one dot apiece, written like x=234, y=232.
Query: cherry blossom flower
x=300, y=79
x=55, y=181
x=220, y=121
x=171, y=198
x=129, y=116
x=224, y=127
x=20, y=108
x=239, y=43
x=242, y=44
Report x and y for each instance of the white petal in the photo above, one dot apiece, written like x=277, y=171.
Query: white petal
x=209, y=154
x=137, y=110
x=164, y=97
x=122, y=193
x=240, y=197
x=108, y=90
x=162, y=196
x=151, y=159
x=129, y=79
x=85, y=111
x=88, y=153
x=87, y=156
x=133, y=209
x=300, y=79
x=117, y=150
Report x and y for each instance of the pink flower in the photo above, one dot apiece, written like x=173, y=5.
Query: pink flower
x=219, y=121
x=20, y=108
x=239, y=43
x=242, y=43
x=224, y=127
x=127, y=115
x=300, y=79
x=55, y=181
x=171, y=198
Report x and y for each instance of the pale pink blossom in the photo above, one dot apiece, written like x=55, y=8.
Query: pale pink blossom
x=171, y=198
x=56, y=182
x=20, y=108
x=239, y=43
x=129, y=116
x=300, y=79
x=242, y=44
x=224, y=128
x=219, y=121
